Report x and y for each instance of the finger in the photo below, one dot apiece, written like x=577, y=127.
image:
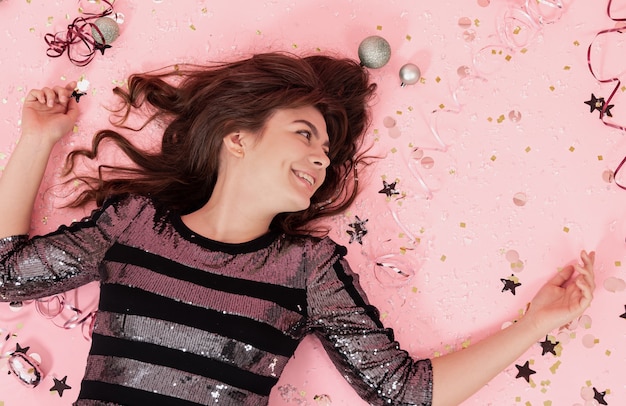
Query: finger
x=36, y=94
x=62, y=94
x=586, y=291
x=50, y=96
x=562, y=276
x=587, y=274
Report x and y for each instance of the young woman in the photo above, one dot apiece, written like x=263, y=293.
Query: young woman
x=204, y=248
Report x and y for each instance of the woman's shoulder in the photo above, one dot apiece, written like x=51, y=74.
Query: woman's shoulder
x=320, y=247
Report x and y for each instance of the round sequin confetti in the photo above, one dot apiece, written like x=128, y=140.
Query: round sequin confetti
x=608, y=176
x=469, y=35
x=465, y=22
x=589, y=341
x=484, y=3
x=515, y=116
x=519, y=199
x=613, y=284
x=585, y=321
x=427, y=162
x=512, y=256
x=463, y=71
x=417, y=153
x=389, y=122
x=586, y=393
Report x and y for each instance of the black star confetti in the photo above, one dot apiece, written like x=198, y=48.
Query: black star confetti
x=101, y=47
x=595, y=103
x=548, y=346
x=19, y=349
x=359, y=230
x=623, y=316
x=524, y=371
x=599, y=396
x=389, y=189
x=60, y=386
x=510, y=284
x=77, y=95
x=608, y=110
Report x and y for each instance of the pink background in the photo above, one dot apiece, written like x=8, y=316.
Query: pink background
x=520, y=130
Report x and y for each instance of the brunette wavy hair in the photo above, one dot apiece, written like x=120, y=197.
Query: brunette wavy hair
x=199, y=105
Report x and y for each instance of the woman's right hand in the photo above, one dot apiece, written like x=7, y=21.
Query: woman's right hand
x=49, y=113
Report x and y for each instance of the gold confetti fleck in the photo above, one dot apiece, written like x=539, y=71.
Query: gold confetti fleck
x=554, y=367
x=524, y=50
x=408, y=37
x=258, y=32
x=31, y=29
x=294, y=46
x=44, y=220
x=607, y=353
x=443, y=258
x=576, y=43
x=204, y=10
x=547, y=403
x=422, y=80
x=477, y=22
x=414, y=289
x=394, y=150
x=489, y=119
x=193, y=27
x=600, y=158
x=462, y=225
x=465, y=343
x=500, y=118
x=566, y=229
x=567, y=67
x=398, y=112
x=410, y=108
x=50, y=20
x=442, y=106
x=572, y=149
x=75, y=129
x=552, y=88
x=437, y=79
x=384, y=315
x=618, y=263
x=517, y=30
x=493, y=158
x=508, y=57
x=623, y=88
x=527, y=149
x=493, y=52
x=379, y=27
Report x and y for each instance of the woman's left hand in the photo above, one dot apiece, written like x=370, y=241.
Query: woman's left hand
x=565, y=297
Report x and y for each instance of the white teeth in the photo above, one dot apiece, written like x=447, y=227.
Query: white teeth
x=306, y=177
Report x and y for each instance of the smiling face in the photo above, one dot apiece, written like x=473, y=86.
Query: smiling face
x=287, y=163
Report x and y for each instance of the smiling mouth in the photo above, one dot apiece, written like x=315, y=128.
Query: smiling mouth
x=306, y=177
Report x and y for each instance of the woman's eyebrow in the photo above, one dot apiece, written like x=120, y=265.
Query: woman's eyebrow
x=313, y=129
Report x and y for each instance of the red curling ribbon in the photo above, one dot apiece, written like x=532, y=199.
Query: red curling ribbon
x=617, y=81
x=79, y=32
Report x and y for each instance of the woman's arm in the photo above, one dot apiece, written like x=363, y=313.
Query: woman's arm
x=48, y=114
x=458, y=375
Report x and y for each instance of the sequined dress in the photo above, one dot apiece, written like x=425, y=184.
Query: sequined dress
x=184, y=320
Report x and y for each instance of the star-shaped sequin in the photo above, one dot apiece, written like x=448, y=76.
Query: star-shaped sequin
x=389, y=189
x=77, y=95
x=60, y=386
x=548, y=346
x=101, y=47
x=608, y=110
x=19, y=349
x=359, y=230
x=510, y=284
x=595, y=103
x=599, y=396
x=623, y=316
x=524, y=371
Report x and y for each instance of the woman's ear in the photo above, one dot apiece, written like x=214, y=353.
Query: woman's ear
x=233, y=144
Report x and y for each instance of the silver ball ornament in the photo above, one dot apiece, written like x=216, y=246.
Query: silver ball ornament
x=374, y=52
x=409, y=74
x=109, y=29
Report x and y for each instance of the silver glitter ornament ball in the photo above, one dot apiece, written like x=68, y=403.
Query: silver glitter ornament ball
x=374, y=52
x=109, y=29
x=409, y=74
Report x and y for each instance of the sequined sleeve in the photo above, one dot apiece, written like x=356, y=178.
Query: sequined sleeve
x=66, y=258
x=350, y=329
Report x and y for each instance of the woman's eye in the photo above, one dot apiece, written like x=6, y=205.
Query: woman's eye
x=306, y=133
